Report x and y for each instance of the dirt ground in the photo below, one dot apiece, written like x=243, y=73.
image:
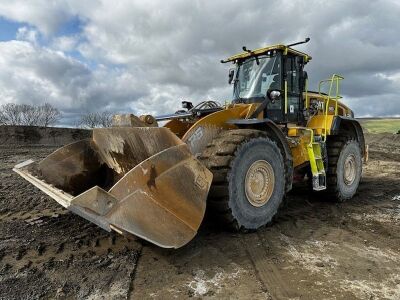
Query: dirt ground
x=314, y=250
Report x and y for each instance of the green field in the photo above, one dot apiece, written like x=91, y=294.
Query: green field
x=380, y=125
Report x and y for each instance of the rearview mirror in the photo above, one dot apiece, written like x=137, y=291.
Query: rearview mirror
x=274, y=95
x=187, y=105
x=231, y=75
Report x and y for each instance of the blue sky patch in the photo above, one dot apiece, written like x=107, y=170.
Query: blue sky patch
x=8, y=29
x=71, y=27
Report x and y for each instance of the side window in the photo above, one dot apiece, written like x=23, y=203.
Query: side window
x=292, y=75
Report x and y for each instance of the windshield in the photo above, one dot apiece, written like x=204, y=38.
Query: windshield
x=253, y=80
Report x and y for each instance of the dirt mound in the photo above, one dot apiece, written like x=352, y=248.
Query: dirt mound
x=386, y=146
x=31, y=135
x=383, y=139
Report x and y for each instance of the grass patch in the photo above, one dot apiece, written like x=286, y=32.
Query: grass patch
x=380, y=125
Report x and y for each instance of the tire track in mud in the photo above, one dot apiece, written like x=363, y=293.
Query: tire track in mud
x=132, y=275
x=38, y=254
x=85, y=260
x=47, y=251
x=267, y=272
x=34, y=216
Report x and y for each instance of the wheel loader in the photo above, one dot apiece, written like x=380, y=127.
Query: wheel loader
x=239, y=159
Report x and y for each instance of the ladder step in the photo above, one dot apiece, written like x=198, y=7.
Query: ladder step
x=317, y=165
x=319, y=182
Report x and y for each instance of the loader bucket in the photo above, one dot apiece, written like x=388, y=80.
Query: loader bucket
x=142, y=181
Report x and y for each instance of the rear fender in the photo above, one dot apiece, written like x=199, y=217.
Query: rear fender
x=350, y=127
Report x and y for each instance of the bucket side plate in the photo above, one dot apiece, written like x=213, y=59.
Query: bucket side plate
x=162, y=199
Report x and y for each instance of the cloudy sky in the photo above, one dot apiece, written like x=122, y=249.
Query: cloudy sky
x=148, y=56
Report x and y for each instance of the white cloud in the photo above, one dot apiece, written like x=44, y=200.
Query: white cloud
x=147, y=56
x=65, y=43
x=27, y=34
x=180, y=43
x=35, y=75
x=45, y=15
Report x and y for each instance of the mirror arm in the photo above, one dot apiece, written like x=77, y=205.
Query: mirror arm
x=260, y=108
x=231, y=74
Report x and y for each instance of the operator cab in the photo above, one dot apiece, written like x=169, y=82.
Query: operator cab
x=273, y=76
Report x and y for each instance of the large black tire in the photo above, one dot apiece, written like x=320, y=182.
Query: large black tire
x=342, y=185
x=229, y=157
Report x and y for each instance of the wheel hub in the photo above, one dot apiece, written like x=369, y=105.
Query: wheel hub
x=349, y=173
x=259, y=183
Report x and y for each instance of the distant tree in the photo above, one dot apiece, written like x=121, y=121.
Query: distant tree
x=48, y=115
x=29, y=115
x=90, y=120
x=3, y=119
x=11, y=113
x=96, y=119
x=106, y=119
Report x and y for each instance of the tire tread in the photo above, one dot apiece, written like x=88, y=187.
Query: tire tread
x=217, y=157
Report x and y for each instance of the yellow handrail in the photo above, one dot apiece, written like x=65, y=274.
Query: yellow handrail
x=335, y=78
x=306, y=88
x=310, y=130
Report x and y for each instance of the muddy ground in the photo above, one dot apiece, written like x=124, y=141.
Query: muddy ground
x=314, y=250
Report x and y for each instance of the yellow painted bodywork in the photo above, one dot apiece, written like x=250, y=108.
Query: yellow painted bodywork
x=317, y=122
x=179, y=127
x=299, y=150
x=299, y=138
x=184, y=128
x=219, y=119
x=320, y=124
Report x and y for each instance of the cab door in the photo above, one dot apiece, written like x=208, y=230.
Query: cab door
x=275, y=110
x=293, y=109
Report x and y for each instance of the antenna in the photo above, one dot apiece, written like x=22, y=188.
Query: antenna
x=245, y=49
x=299, y=43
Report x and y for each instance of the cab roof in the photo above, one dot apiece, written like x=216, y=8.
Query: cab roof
x=259, y=51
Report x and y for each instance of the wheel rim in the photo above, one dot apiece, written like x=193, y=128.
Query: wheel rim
x=349, y=174
x=259, y=183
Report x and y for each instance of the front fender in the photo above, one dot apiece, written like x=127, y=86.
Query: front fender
x=275, y=133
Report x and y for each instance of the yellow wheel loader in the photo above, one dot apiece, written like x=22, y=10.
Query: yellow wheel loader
x=239, y=159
